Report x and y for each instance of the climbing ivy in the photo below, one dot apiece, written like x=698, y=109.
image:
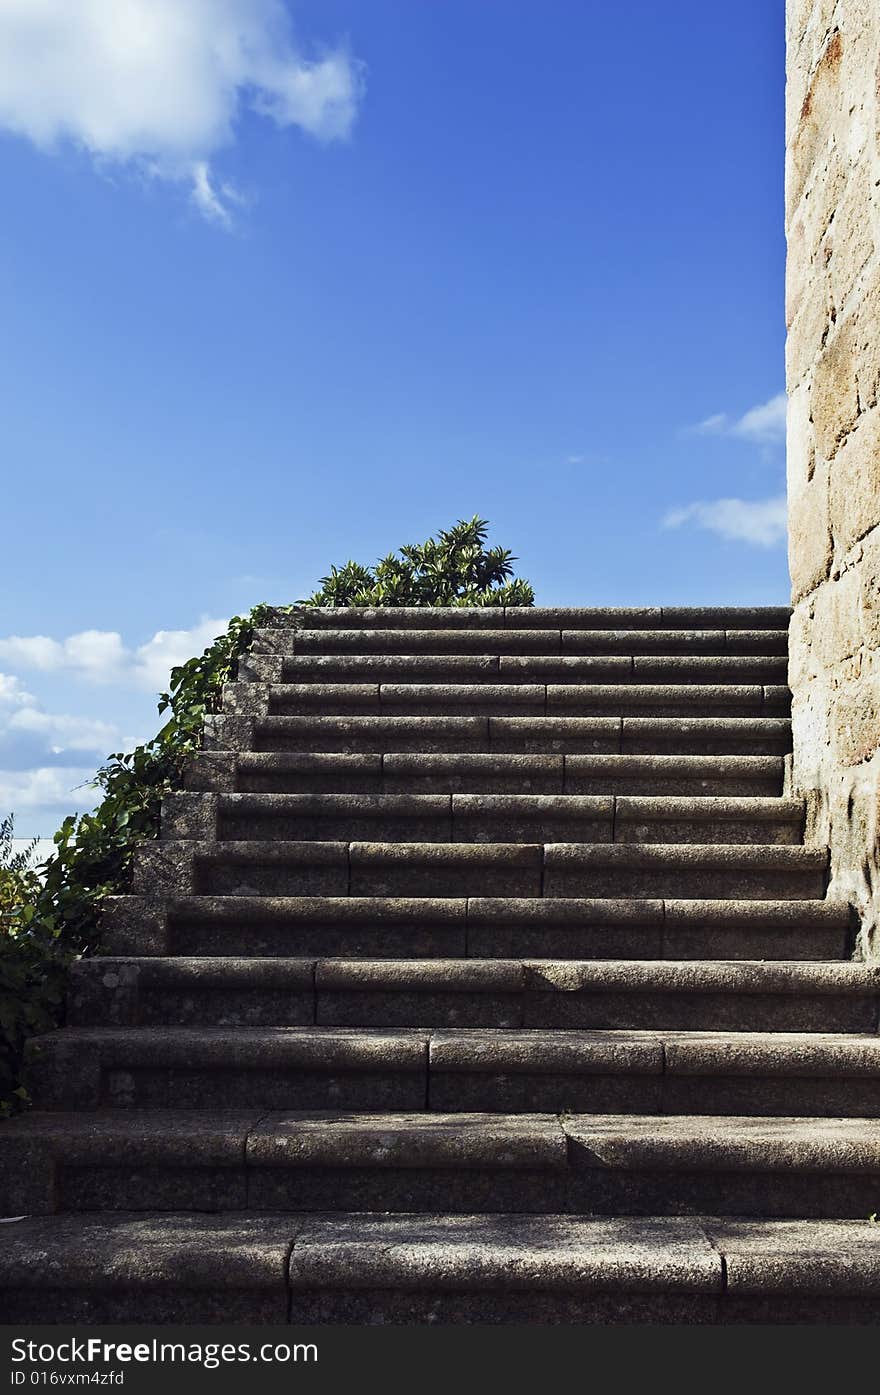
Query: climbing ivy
x=51, y=914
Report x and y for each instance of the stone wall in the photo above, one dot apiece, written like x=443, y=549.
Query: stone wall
x=833, y=370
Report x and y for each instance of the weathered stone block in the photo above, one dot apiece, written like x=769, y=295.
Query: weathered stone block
x=855, y=482
x=836, y=634
x=810, y=546
x=834, y=396
x=855, y=720
x=189, y=814
x=848, y=243
x=869, y=598
x=810, y=126
x=808, y=331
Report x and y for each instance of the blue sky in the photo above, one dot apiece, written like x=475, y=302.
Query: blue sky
x=288, y=283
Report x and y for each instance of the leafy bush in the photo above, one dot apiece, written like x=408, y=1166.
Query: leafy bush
x=455, y=568
x=51, y=917
x=93, y=853
x=32, y=966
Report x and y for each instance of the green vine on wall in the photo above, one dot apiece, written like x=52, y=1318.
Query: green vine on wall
x=51, y=916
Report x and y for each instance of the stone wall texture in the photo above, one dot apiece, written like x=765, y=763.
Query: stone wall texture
x=832, y=196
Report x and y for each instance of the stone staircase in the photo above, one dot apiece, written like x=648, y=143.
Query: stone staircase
x=480, y=975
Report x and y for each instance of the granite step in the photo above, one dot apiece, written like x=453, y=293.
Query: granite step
x=493, y=818
x=336, y=773
x=515, y=643
x=684, y=870
x=328, y=1161
x=682, y=1072
x=514, y=668
x=742, y=871
x=262, y=1268
x=514, y=699
x=480, y=974
x=538, y=735
x=483, y=927
x=545, y=993
x=531, y=617
x=416, y=1269
x=458, y=1069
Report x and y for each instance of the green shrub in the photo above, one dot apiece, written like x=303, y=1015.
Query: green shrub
x=54, y=916
x=32, y=966
x=93, y=853
x=455, y=568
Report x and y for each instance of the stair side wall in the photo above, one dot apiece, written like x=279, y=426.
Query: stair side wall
x=832, y=187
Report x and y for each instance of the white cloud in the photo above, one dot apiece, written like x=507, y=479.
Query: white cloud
x=55, y=787
x=11, y=691
x=764, y=424
x=47, y=755
x=93, y=652
x=35, y=652
x=153, y=661
x=100, y=656
x=759, y=521
x=161, y=84
x=64, y=733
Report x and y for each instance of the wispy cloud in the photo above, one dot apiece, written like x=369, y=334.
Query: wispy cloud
x=160, y=84
x=21, y=713
x=56, y=788
x=763, y=424
x=758, y=521
x=100, y=656
x=47, y=759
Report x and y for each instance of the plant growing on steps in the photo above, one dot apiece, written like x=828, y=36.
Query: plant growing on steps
x=50, y=918
x=93, y=853
x=455, y=568
x=32, y=964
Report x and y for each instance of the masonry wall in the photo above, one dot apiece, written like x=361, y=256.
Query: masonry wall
x=833, y=372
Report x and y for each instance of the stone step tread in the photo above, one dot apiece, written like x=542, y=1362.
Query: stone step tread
x=493, y=733
x=554, y=693
x=517, y=910
x=351, y=1139
x=621, y=854
x=507, y=700
x=478, y=773
x=709, y=807
x=254, y=818
x=561, y=638
x=573, y=1253
x=394, y=762
x=485, y=1049
x=760, y=668
x=730, y=726
x=280, y=1138
x=354, y=927
x=469, y=617
x=474, y=975
x=335, y=772
x=750, y=870
x=271, y=1254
